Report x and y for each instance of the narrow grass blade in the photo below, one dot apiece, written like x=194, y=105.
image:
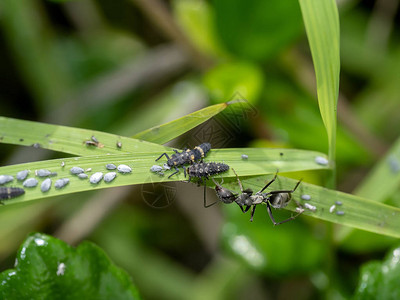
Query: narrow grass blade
x=260, y=161
x=379, y=185
x=68, y=139
x=358, y=212
x=321, y=21
x=168, y=131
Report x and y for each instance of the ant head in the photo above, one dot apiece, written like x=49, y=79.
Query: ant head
x=224, y=194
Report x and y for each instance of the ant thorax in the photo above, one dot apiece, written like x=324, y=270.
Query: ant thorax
x=244, y=199
x=258, y=198
x=280, y=200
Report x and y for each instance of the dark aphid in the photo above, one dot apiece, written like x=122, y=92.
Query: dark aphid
x=90, y=143
x=186, y=156
x=205, y=170
x=10, y=192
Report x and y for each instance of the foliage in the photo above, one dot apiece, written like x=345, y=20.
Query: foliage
x=259, y=78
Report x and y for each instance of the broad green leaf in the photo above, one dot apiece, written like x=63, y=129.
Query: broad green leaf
x=68, y=139
x=260, y=161
x=380, y=280
x=358, y=212
x=168, y=131
x=379, y=185
x=321, y=21
x=47, y=268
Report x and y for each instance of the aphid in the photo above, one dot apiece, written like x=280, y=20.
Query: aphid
x=44, y=173
x=111, y=166
x=60, y=269
x=394, y=164
x=30, y=182
x=310, y=207
x=21, y=175
x=338, y=203
x=88, y=170
x=36, y=145
x=62, y=164
x=203, y=169
x=321, y=160
x=5, y=179
x=244, y=156
x=46, y=184
x=305, y=197
x=332, y=208
x=76, y=170
x=156, y=169
x=124, y=169
x=60, y=183
x=340, y=212
x=166, y=167
x=247, y=199
x=110, y=176
x=119, y=145
x=90, y=143
x=96, y=178
x=83, y=176
x=186, y=156
x=10, y=192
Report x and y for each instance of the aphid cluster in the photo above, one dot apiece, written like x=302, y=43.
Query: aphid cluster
x=247, y=198
x=186, y=156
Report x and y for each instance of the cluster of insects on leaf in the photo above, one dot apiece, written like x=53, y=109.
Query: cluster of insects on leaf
x=246, y=199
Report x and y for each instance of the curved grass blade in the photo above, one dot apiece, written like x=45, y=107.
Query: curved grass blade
x=321, y=21
x=168, y=131
x=68, y=139
x=260, y=161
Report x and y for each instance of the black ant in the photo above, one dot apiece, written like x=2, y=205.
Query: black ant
x=277, y=199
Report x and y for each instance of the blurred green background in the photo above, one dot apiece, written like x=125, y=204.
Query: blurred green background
x=125, y=66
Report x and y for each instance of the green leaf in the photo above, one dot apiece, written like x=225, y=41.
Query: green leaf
x=382, y=182
x=321, y=20
x=47, y=268
x=168, y=131
x=68, y=139
x=358, y=212
x=260, y=161
x=380, y=280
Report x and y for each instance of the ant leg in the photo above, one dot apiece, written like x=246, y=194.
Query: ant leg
x=284, y=221
x=269, y=183
x=240, y=184
x=247, y=208
x=205, y=196
x=177, y=171
x=184, y=171
x=284, y=191
x=176, y=151
x=252, y=212
x=166, y=155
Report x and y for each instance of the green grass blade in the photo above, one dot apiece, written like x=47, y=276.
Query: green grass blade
x=382, y=182
x=359, y=212
x=261, y=161
x=68, y=139
x=168, y=131
x=321, y=21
